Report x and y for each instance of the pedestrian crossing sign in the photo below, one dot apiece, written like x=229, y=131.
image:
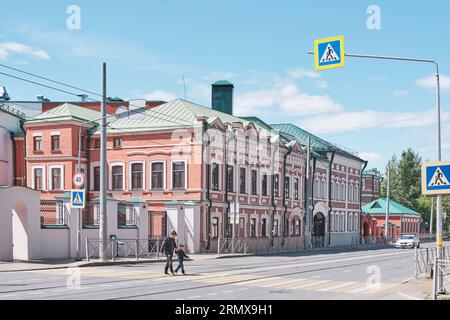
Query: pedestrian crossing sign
x=329, y=53
x=436, y=178
x=77, y=199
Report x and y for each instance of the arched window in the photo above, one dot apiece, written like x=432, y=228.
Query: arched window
x=316, y=189
x=350, y=193
x=324, y=189
x=356, y=197
x=336, y=222
x=342, y=222
x=350, y=222
x=332, y=222
x=343, y=191
x=356, y=225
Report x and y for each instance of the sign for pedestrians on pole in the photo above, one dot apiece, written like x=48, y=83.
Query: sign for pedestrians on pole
x=436, y=178
x=77, y=199
x=329, y=53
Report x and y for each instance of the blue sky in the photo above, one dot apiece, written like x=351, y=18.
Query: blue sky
x=374, y=107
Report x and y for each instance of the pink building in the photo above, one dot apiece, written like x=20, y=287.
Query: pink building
x=190, y=164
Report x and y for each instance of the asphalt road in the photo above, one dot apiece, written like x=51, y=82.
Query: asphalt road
x=369, y=274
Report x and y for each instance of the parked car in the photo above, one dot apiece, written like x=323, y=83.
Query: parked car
x=408, y=241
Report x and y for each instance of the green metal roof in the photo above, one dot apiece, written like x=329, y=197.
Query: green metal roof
x=67, y=111
x=222, y=83
x=378, y=207
x=318, y=144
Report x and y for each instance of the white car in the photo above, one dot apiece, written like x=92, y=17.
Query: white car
x=408, y=241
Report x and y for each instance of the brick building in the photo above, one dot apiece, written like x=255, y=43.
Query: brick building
x=189, y=164
x=371, y=191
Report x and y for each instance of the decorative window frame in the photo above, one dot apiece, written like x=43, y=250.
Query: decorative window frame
x=116, y=164
x=50, y=180
x=44, y=176
x=185, y=174
x=150, y=182
x=130, y=176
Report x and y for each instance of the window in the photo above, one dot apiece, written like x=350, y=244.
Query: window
x=254, y=182
x=336, y=222
x=55, y=143
x=324, y=189
x=117, y=178
x=332, y=222
x=215, y=228
x=253, y=227
x=296, y=188
x=215, y=177
x=275, y=228
x=137, y=176
x=350, y=222
x=230, y=178
x=316, y=189
x=356, y=196
x=178, y=175
x=350, y=193
x=117, y=143
x=38, y=179
x=37, y=143
x=242, y=180
x=276, y=182
x=342, y=222
x=297, y=227
x=356, y=224
x=157, y=169
x=96, y=143
x=56, y=178
x=343, y=191
x=264, y=185
x=264, y=227
x=287, y=187
x=96, y=178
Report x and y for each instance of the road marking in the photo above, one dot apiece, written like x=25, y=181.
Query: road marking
x=243, y=289
x=11, y=281
x=346, y=271
x=37, y=279
x=194, y=297
x=9, y=295
x=228, y=291
x=388, y=264
x=407, y=280
x=36, y=292
x=312, y=284
x=338, y=286
x=276, y=284
x=212, y=294
x=408, y=296
x=315, y=277
x=256, y=281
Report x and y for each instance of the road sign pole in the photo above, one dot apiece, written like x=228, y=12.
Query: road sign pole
x=79, y=210
x=103, y=213
x=388, y=182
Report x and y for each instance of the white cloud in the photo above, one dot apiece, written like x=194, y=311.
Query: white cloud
x=321, y=84
x=303, y=73
x=353, y=121
x=400, y=93
x=8, y=48
x=160, y=95
x=371, y=157
x=286, y=96
x=430, y=82
x=219, y=75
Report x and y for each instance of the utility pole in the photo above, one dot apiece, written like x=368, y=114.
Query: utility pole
x=103, y=204
x=431, y=215
x=79, y=210
x=307, y=186
x=388, y=182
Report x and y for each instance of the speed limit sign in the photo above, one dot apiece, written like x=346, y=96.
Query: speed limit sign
x=78, y=180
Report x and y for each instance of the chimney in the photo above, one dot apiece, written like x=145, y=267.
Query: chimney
x=4, y=96
x=222, y=96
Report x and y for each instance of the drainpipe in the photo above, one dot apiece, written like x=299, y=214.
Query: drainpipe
x=312, y=199
x=274, y=207
x=13, y=154
x=88, y=164
x=208, y=185
x=22, y=127
x=228, y=205
x=360, y=198
x=329, y=197
x=289, y=151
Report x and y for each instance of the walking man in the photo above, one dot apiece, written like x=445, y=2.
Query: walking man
x=168, y=247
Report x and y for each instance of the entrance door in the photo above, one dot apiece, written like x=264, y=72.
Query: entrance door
x=319, y=230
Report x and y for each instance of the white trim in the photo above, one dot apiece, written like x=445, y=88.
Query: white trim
x=130, y=176
x=37, y=134
x=246, y=180
x=185, y=174
x=91, y=174
x=164, y=174
x=50, y=180
x=55, y=133
x=44, y=177
x=220, y=176
x=118, y=164
x=258, y=192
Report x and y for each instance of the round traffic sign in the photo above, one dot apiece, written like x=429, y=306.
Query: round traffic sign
x=78, y=179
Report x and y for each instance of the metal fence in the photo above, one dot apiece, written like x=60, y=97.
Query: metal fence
x=126, y=215
x=91, y=214
x=424, y=259
x=259, y=245
x=54, y=213
x=441, y=278
x=123, y=248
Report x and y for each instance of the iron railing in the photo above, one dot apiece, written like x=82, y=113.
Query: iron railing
x=117, y=248
x=424, y=259
x=259, y=245
x=91, y=214
x=441, y=278
x=54, y=213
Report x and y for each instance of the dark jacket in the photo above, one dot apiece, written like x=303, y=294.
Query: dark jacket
x=181, y=254
x=168, y=245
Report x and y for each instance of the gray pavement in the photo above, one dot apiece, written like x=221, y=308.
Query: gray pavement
x=353, y=275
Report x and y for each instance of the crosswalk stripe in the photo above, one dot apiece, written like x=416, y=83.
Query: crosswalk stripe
x=258, y=281
x=314, y=283
x=282, y=283
x=383, y=287
x=360, y=289
x=338, y=286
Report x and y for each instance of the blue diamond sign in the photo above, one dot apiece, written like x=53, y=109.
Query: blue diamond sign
x=436, y=178
x=77, y=199
x=329, y=53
